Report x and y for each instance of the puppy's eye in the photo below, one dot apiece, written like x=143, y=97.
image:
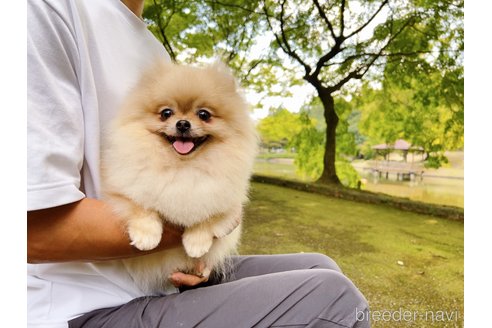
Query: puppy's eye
x=204, y=115
x=166, y=113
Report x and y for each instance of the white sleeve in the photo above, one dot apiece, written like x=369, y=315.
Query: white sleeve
x=55, y=125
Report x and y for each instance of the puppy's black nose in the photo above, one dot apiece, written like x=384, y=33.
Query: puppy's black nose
x=183, y=126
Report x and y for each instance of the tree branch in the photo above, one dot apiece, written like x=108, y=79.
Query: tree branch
x=162, y=30
x=291, y=52
x=368, y=21
x=283, y=43
x=254, y=64
x=360, y=71
x=342, y=19
x=355, y=74
x=325, y=18
x=336, y=49
x=279, y=42
x=372, y=54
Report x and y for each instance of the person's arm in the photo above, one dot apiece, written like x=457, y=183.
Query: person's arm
x=86, y=230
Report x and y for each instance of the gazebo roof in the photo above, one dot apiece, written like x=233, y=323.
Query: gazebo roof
x=399, y=144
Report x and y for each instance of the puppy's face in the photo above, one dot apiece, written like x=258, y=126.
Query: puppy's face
x=187, y=126
x=191, y=109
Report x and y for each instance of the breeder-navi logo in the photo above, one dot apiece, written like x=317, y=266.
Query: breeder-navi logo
x=402, y=315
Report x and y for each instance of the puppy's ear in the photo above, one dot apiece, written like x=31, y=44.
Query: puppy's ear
x=150, y=75
x=226, y=73
x=157, y=69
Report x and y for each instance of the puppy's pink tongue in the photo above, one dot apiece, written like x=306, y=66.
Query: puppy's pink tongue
x=183, y=147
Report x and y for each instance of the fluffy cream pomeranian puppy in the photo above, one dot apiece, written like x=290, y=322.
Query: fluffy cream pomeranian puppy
x=180, y=150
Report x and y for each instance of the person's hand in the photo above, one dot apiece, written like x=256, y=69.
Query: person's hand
x=180, y=279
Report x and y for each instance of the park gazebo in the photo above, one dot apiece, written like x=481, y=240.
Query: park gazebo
x=395, y=160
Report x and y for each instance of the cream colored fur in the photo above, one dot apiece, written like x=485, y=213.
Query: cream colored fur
x=147, y=181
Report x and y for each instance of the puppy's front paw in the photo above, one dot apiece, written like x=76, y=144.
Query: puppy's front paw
x=197, y=242
x=145, y=233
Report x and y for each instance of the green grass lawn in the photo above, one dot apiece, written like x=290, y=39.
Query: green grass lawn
x=400, y=261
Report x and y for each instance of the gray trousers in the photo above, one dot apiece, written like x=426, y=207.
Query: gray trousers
x=291, y=290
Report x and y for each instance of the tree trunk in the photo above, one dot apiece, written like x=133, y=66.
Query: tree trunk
x=329, y=175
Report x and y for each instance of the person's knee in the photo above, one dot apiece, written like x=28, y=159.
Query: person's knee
x=336, y=282
x=345, y=301
x=321, y=261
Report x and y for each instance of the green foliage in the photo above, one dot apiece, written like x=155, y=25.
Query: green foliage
x=416, y=107
x=279, y=127
x=201, y=30
x=345, y=145
x=171, y=21
x=309, y=144
x=347, y=174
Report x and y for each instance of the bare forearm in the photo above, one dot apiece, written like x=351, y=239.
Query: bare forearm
x=87, y=230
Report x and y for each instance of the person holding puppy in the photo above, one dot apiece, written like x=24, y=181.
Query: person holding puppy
x=83, y=57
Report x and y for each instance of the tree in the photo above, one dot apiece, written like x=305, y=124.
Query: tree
x=329, y=44
x=333, y=44
x=310, y=142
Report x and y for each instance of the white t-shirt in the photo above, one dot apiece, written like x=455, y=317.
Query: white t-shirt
x=83, y=56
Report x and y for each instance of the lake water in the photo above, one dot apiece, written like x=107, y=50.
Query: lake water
x=443, y=186
x=431, y=189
